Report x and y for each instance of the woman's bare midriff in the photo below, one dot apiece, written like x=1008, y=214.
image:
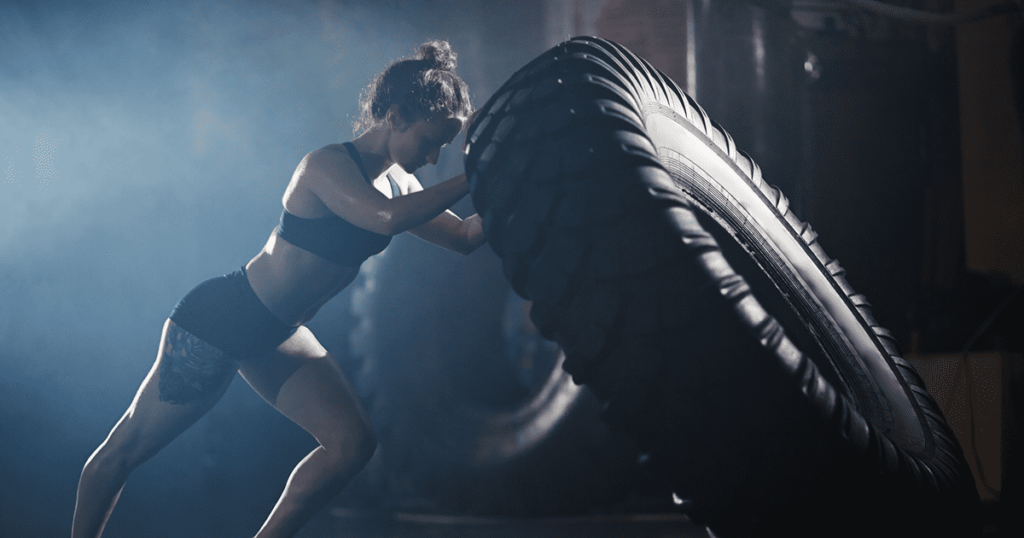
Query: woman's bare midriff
x=294, y=283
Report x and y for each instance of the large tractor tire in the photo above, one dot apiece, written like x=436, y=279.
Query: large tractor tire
x=474, y=414
x=702, y=313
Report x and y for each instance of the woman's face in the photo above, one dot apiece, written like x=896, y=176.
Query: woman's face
x=416, y=144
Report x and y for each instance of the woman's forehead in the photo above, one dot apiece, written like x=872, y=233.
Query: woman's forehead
x=445, y=128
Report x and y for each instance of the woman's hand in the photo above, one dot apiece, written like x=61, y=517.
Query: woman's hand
x=474, y=231
x=448, y=231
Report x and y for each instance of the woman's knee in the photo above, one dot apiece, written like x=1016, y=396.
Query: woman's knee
x=353, y=444
x=111, y=459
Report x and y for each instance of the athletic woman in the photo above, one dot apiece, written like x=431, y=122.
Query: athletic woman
x=343, y=204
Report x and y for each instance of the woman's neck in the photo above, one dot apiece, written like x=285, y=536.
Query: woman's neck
x=373, y=148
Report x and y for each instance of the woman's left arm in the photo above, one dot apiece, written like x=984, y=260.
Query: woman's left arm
x=447, y=230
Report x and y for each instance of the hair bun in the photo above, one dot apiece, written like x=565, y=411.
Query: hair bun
x=438, y=54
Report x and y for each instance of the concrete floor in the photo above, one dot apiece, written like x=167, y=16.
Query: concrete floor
x=344, y=523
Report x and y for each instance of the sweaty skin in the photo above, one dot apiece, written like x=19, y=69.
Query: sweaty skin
x=293, y=283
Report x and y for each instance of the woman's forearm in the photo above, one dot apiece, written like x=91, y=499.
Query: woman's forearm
x=405, y=212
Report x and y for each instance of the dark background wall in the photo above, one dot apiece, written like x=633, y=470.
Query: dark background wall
x=144, y=147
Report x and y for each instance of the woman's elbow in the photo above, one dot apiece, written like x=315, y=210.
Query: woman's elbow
x=387, y=224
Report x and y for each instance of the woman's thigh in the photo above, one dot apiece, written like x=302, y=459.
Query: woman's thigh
x=176, y=392
x=304, y=382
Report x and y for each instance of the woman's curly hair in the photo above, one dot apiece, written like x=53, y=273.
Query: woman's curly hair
x=424, y=87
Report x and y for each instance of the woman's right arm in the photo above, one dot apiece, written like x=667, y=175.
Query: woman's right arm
x=336, y=180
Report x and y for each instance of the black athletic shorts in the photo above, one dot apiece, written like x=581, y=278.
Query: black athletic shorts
x=219, y=323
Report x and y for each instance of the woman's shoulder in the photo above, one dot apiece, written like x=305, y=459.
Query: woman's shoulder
x=331, y=153
x=330, y=161
x=334, y=148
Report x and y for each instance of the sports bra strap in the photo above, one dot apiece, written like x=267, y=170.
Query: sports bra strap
x=358, y=159
x=395, y=191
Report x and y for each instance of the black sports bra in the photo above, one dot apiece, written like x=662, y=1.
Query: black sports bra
x=334, y=238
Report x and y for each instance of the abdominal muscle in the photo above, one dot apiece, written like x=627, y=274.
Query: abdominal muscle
x=294, y=283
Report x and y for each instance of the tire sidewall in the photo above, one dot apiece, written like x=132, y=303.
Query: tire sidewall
x=444, y=450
